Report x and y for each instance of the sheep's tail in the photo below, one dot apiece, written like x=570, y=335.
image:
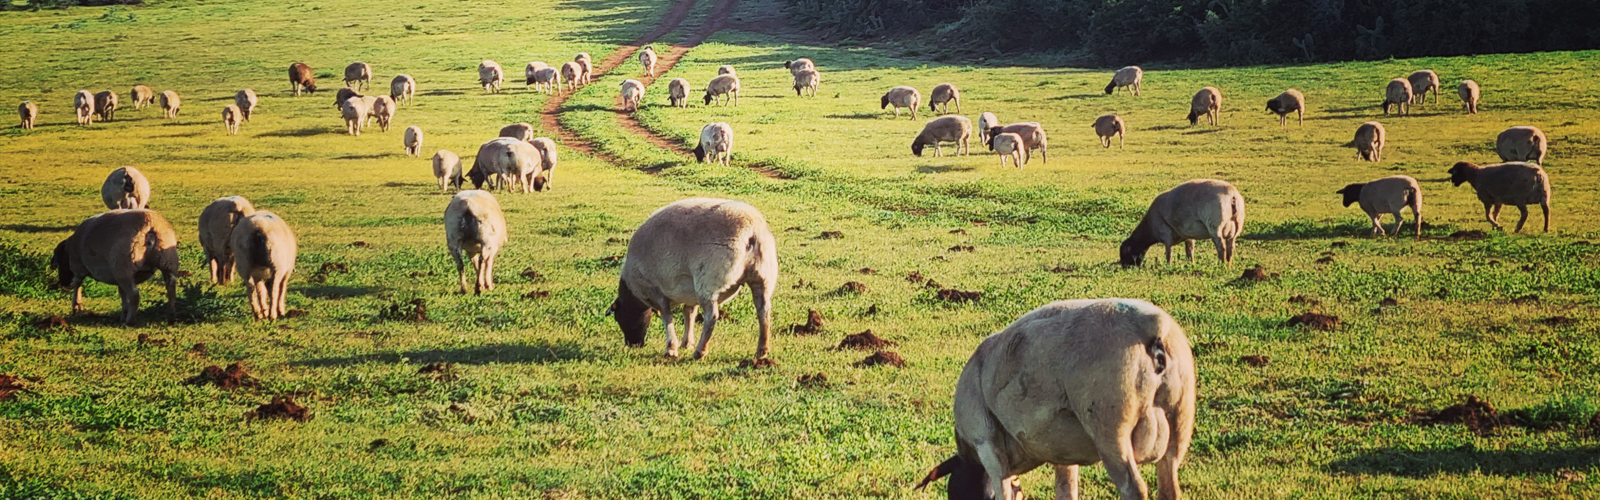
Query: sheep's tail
x=1157, y=349
x=260, y=253
x=165, y=259
x=1238, y=215
x=469, y=225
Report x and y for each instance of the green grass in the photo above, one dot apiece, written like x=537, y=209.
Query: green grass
x=545, y=400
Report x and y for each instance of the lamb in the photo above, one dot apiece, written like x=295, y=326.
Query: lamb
x=522, y=131
x=1203, y=208
x=29, y=112
x=987, y=121
x=126, y=188
x=726, y=69
x=264, y=251
x=447, y=168
x=1108, y=125
x=231, y=115
x=1468, y=90
x=587, y=65
x=515, y=163
x=943, y=94
x=1073, y=383
x=726, y=86
x=142, y=96
x=301, y=77
x=490, y=76
x=343, y=95
x=105, y=105
x=355, y=112
x=413, y=141
x=1423, y=81
x=678, y=93
x=807, y=80
x=1370, y=138
x=548, y=158
x=246, y=100
x=1290, y=101
x=403, y=89
x=1388, y=195
x=902, y=97
x=632, y=92
x=1522, y=144
x=83, y=102
x=647, y=58
x=360, y=73
x=216, y=230
x=531, y=73
x=716, y=143
x=953, y=128
x=696, y=253
x=547, y=79
x=1397, y=94
x=170, y=104
x=795, y=66
x=475, y=225
x=1207, y=102
x=1131, y=77
x=1514, y=183
x=1033, y=138
x=572, y=72
x=1009, y=145
x=383, y=109
x=122, y=248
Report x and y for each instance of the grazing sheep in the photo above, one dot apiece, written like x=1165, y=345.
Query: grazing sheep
x=355, y=112
x=447, y=168
x=1388, y=195
x=246, y=100
x=122, y=248
x=807, y=80
x=216, y=231
x=514, y=163
x=678, y=93
x=522, y=131
x=1009, y=145
x=371, y=102
x=547, y=79
x=1207, y=102
x=126, y=188
x=1369, y=141
x=987, y=121
x=572, y=73
x=1423, y=81
x=944, y=94
x=1397, y=94
x=142, y=96
x=1073, y=383
x=632, y=92
x=413, y=141
x=1514, y=183
x=1111, y=125
x=532, y=71
x=264, y=251
x=548, y=158
x=360, y=73
x=726, y=86
x=953, y=128
x=696, y=253
x=1522, y=144
x=1468, y=90
x=795, y=66
x=1290, y=101
x=170, y=103
x=231, y=116
x=1204, y=208
x=1131, y=77
x=586, y=65
x=716, y=143
x=474, y=224
x=344, y=94
x=647, y=58
x=726, y=69
x=403, y=89
x=83, y=103
x=383, y=109
x=1033, y=137
x=490, y=76
x=105, y=105
x=902, y=97
x=29, y=112
x=301, y=77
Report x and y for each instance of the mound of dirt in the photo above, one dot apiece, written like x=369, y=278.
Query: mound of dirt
x=1256, y=360
x=10, y=385
x=414, y=310
x=295, y=313
x=1558, y=321
x=958, y=231
x=1301, y=299
x=532, y=275
x=1476, y=414
x=1063, y=269
x=916, y=277
x=871, y=311
x=890, y=358
x=1328, y=259
x=146, y=340
x=1388, y=302
x=757, y=364
x=958, y=296
x=794, y=229
x=1257, y=273
x=1340, y=244
x=812, y=326
x=199, y=348
x=227, y=379
x=1526, y=299
x=360, y=244
x=830, y=235
x=281, y=407
x=853, y=287
x=536, y=294
x=865, y=340
x=440, y=369
x=1472, y=235
x=52, y=322
x=962, y=248
x=867, y=270
x=808, y=380
x=328, y=268
x=1315, y=321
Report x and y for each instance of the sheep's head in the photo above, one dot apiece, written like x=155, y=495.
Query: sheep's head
x=968, y=480
x=1132, y=252
x=1274, y=105
x=1111, y=87
x=632, y=315
x=478, y=177
x=708, y=97
x=541, y=181
x=700, y=152
x=917, y=146
x=1194, y=117
x=1463, y=172
x=62, y=262
x=884, y=103
x=1352, y=193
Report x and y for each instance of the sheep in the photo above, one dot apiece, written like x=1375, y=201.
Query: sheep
x=1522, y=144
x=1397, y=94
x=1207, y=102
x=547, y=79
x=587, y=65
x=372, y=103
x=1290, y=101
x=696, y=253
x=902, y=97
x=1009, y=145
x=795, y=66
x=1108, y=125
x=170, y=104
x=475, y=225
x=531, y=72
x=413, y=141
x=515, y=163
x=716, y=143
x=647, y=58
x=344, y=94
x=953, y=128
x=522, y=131
x=264, y=251
x=216, y=230
x=1073, y=383
x=1203, y=208
x=122, y=248
x=1033, y=138
x=944, y=94
x=105, y=105
x=678, y=93
x=490, y=76
x=1131, y=77
x=1514, y=183
x=1369, y=141
x=632, y=92
x=231, y=115
x=807, y=80
x=383, y=109
x=548, y=158
x=246, y=100
x=125, y=188
x=403, y=89
x=355, y=112
x=29, y=112
x=142, y=96
x=1388, y=195
x=301, y=77
x=726, y=69
x=1423, y=81
x=571, y=72
x=1468, y=90
x=360, y=73
x=726, y=86
x=447, y=168
x=987, y=121
x=83, y=103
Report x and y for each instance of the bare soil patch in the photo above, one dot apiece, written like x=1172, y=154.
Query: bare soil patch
x=864, y=341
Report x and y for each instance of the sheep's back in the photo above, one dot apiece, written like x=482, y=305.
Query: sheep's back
x=1513, y=183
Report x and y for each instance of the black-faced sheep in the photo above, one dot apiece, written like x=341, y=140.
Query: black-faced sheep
x=1397, y=94
x=727, y=69
x=632, y=93
x=122, y=248
x=648, y=58
x=1290, y=101
x=142, y=96
x=344, y=94
x=1522, y=144
x=1009, y=145
x=246, y=100
x=1469, y=92
x=724, y=86
x=475, y=226
x=547, y=79
x=1107, y=126
x=447, y=168
x=795, y=66
x=231, y=116
x=1033, y=137
x=216, y=231
x=807, y=82
x=1131, y=77
x=953, y=128
x=678, y=93
x=943, y=94
x=1208, y=103
x=264, y=252
x=359, y=73
x=403, y=89
x=1203, y=208
x=125, y=188
x=413, y=141
x=902, y=97
x=83, y=104
x=987, y=121
x=29, y=112
x=1370, y=138
x=301, y=77
x=548, y=158
x=515, y=164
x=1423, y=81
x=716, y=143
x=170, y=104
x=1388, y=195
x=531, y=73
x=491, y=76
x=105, y=105
x=1514, y=183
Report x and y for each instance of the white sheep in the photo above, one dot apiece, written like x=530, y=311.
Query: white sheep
x=413, y=141
x=1107, y=126
x=371, y=102
x=1033, y=137
x=383, y=108
x=125, y=188
x=216, y=231
x=83, y=103
x=1009, y=145
x=246, y=100
x=1397, y=94
x=264, y=252
x=1423, y=81
x=1514, y=183
x=726, y=69
x=987, y=121
x=355, y=112
x=572, y=73
x=105, y=105
x=716, y=143
x=902, y=97
x=795, y=66
x=522, y=131
x=807, y=81
x=1131, y=77
x=647, y=58
x=1203, y=208
x=1290, y=101
x=1469, y=92
x=122, y=248
x=170, y=104
x=231, y=116
x=531, y=73
x=1073, y=383
x=403, y=89
x=1208, y=103
x=678, y=93
x=1388, y=195
x=547, y=79
x=547, y=153
x=943, y=94
x=725, y=86
x=29, y=112
x=586, y=64
x=632, y=92
x=953, y=128
x=1522, y=144
x=475, y=225
x=447, y=168
x=514, y=163
x=696, y=253
x=490, y=76
x=359, y=73
x=1369, y=141
x=142, y=96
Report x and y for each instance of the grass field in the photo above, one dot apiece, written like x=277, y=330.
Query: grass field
x=544, y=400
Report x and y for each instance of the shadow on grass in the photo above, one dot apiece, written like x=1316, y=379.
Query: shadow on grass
x=1305, y=229
x=367, y=157
x=1080, y=96
x=940, y=169
x=330, y=292
x=540, y=352
x=33, y=228
x=305, y=132
x=1203, y=131
x=859, y=115
x=1427, y=463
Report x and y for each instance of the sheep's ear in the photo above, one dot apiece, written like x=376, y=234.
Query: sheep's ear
x=610, y=310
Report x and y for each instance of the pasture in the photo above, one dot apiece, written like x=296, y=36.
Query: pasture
x=528, y=392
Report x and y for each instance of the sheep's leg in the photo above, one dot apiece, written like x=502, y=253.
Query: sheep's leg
x=1524, y=218
x=672, y=334
x=477, y=268
x=1491, y=212
x=1543, y=205
x=1169, y=253
x=1122, y=140
x=213, y=265
x=1399, y=220
x=689, y=312
x=1113, y=438
x=172, y=294
x=77, y=295
x=254, y=285
x=1188, y=250
x=1301, y=115
x=708, y=319
x=1066, y=482
x=761, y=296
x=130, y=300
x=461, y=269
x=283, y=293
x=1377, y=225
